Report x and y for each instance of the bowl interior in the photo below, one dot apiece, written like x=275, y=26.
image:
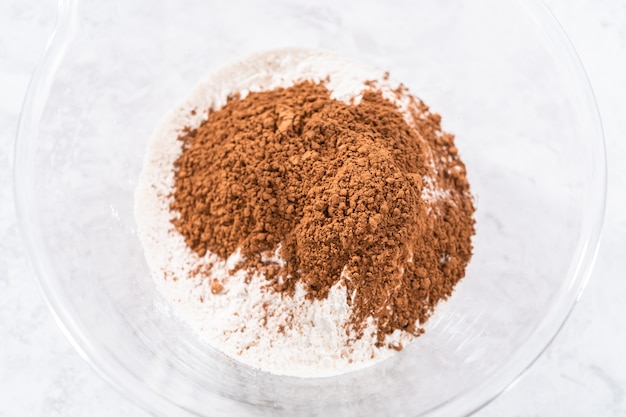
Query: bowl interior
x=504, y=84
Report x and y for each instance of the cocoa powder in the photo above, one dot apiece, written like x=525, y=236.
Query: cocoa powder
x=338, y=191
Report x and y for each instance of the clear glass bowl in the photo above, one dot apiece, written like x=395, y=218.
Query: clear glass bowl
x=501, y=73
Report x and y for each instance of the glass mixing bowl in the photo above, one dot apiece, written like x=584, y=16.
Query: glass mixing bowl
x=501, y=73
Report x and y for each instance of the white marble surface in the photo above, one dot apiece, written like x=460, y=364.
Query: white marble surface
x=583, y=372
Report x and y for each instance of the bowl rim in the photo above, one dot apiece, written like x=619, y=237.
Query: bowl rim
x=136, y=390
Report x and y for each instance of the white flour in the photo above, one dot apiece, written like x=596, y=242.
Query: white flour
x=266, y=330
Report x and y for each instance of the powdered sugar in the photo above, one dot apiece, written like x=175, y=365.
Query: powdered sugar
x=262, y=328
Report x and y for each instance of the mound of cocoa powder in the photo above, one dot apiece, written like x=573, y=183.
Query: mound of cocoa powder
x=344, y=192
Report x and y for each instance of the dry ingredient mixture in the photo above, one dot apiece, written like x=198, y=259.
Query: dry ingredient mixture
x=309, y=222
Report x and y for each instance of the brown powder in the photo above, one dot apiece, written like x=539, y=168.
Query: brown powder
x=337, y=189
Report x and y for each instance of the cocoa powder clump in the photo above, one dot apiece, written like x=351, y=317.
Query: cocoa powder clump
x=342, y=192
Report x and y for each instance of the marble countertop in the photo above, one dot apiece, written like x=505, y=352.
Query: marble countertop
x=582, y=373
